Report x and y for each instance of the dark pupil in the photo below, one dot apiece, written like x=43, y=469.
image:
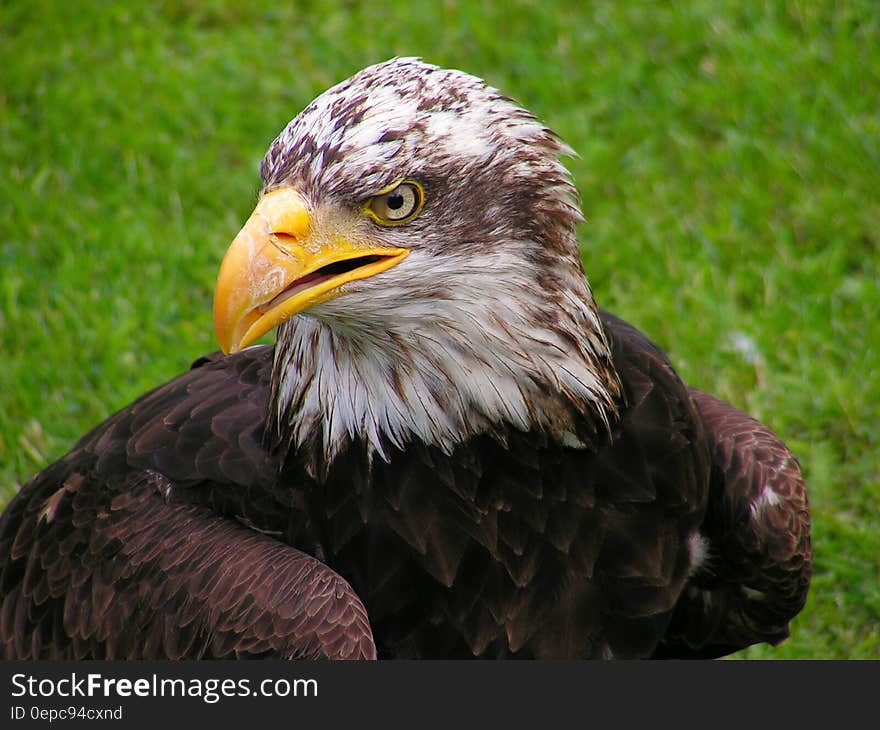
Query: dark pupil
x=395, y=201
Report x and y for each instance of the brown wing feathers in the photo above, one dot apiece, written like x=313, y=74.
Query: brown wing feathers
x=759, y=560
x=757, y=569
x=131, y=576
x=100, y=560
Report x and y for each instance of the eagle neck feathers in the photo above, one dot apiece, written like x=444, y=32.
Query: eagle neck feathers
x=443, y=371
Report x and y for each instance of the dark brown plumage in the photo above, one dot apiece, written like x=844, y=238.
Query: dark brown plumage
x=361, y=489
x=106, y=557
x=102, y=560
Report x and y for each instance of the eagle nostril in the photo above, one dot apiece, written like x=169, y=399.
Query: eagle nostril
x=282, y=238
x=284, y=242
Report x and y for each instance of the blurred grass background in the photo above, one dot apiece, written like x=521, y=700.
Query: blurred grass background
x=729, y=167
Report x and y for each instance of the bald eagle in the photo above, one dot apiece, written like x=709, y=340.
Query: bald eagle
x=449, y=452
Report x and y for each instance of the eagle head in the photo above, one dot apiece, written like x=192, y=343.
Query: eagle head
x=415, y=242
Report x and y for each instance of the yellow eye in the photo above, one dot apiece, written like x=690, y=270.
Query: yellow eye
x=398, y=205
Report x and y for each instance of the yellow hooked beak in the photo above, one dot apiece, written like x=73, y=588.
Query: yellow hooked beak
x=277, y=267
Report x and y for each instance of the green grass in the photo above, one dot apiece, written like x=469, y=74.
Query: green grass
x=729, y=166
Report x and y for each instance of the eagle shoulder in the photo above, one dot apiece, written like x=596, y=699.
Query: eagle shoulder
x=758, y=564
x=108, y=554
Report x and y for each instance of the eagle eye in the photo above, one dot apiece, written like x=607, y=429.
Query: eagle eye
x=396, y=205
